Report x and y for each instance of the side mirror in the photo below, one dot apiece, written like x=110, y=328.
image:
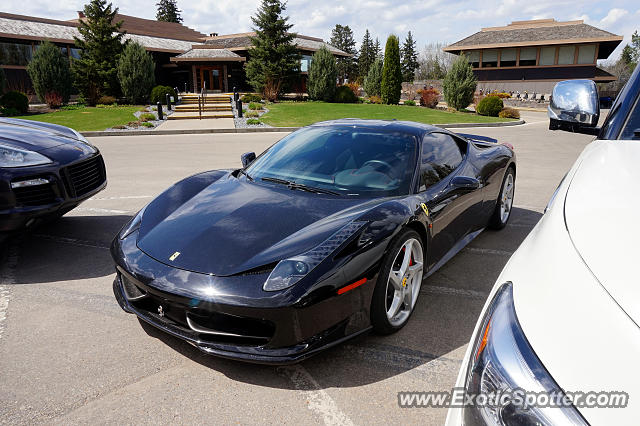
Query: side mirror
x=247, y=158
x=465, y=183
x=574, y=107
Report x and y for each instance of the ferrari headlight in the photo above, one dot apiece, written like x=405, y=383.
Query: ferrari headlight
x=15, y=157
x=503, y=363
x=132, y=225
x=289, y=271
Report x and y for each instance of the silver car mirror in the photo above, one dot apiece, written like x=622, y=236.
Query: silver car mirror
x=574, y=106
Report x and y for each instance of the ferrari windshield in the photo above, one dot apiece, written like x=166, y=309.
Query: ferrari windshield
x=347, y=160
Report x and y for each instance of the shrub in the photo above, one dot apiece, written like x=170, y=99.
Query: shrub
x=391, y=85
x=53, y=99
x=254, y=106
x=158, y=94
x=9, y=112
x=253, y=121
x=491, y=106
x=459, y=84
x=355, y=88
x=409, y=102
x=344, y=95
x=373, y=79
x=147, y=124
x=251, y=97
x=251, y=114
x=323, y=73
x=147, y=117
x=429, y=98
x=375, y=99
x=106, y=100
x=136, y=72
x=50, y=74
x=509, y=113
x=15, y=100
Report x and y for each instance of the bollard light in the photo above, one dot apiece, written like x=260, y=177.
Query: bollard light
x=168, y=98
x=159, y=106
x=239, y=108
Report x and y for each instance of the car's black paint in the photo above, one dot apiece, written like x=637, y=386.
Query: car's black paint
x=231, y=232
x=62, y=146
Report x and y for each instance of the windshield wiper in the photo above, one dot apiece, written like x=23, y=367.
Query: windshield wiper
x=293, y=185
x=242, y=171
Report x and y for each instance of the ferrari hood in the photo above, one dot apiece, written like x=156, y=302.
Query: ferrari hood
x=34, y=136
x=601, y=213
x=232, y=226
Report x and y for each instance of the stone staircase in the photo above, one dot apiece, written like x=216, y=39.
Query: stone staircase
x=216, y=106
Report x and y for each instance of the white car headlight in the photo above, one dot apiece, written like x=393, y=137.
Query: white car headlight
x=289, y=271
x=503, y=362
x=15, y=157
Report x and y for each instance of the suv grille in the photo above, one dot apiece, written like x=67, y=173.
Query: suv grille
x=84, y=177
x=35, y=195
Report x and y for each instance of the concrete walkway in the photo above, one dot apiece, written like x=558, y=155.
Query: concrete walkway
x=205, y=123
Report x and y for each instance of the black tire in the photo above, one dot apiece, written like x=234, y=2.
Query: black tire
x=379, y=320
x=496, y=221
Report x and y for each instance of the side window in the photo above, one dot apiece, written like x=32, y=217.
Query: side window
x=441, y=155
x=632, y=128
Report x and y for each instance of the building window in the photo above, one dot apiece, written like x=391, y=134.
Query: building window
x=587, y=54
x=528, y=56
x=566, y=55
x=489, y=58
x=548, y=56
x=305, y=63
x=474, y=58
x=15, y=53
x=508, y=58
x=75, y=53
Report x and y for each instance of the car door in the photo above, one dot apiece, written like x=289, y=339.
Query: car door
x=451, y=210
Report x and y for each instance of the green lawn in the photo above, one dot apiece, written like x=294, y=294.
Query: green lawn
x=294, y=114
x=88, y=118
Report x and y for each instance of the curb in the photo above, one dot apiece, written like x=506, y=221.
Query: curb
x=266, y=130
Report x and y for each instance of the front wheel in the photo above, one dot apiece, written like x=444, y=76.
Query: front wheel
x=399, y=282
x=504, y=204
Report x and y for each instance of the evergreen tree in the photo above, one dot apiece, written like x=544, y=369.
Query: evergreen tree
x=367, y=55
x=459, y=85
x=323, y=73
x=273, y=58
x=50, y=74
x=374, y=78
x=136, y=71
x=342, y=38
x=95, y=73
x=409, y=59
x=627, y=55
x=377, y=49
x=635, y=47
x=391, y=85
x=168, y=11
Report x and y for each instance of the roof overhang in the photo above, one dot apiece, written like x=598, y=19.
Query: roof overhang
x=178, y=59
x=459, y=49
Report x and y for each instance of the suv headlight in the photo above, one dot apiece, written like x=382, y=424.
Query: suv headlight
x=502, y=361
x=15, y=157
x=289, y=271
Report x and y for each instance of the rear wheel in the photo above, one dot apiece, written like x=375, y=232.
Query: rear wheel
x=399, y=282
x=504, y=204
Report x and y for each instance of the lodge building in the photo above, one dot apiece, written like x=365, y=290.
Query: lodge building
x=184, y=58
x=533, y=55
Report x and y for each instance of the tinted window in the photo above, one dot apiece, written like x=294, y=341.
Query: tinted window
x=440, y=156
x=350, y=160
x=632, y=128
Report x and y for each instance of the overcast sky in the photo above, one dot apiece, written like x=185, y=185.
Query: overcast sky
x=429, y=20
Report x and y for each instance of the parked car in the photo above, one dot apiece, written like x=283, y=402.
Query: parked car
x=563, y=315
x=45, y=171
x=326, y=235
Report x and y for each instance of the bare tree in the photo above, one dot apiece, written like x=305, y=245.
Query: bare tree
x=433, y=62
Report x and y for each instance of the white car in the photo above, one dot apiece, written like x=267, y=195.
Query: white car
x=563, y=317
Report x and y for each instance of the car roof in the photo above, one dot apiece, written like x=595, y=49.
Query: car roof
x=410, y=127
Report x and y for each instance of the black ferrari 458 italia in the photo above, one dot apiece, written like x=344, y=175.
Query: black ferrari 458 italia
x=327, y=234
x=45, y=171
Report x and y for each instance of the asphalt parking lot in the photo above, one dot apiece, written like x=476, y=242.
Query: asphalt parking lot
x=69, y=354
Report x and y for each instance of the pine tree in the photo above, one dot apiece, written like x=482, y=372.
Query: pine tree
x=367, y=55
x=635, y=47
x=391, y=86
x=322, y=76
x=95, y=73
x=459, y=85
x=374, y=78
x=377, y=49
x=50, y=74
x=168, y=11
x=409, y=59
x=342, y=38
x=273, y=58
x=136, y=71
x=627, y=55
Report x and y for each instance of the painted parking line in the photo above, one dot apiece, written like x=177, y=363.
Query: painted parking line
x=128, y=197
x=107, y=211
x=478, y=250
x=451, y=291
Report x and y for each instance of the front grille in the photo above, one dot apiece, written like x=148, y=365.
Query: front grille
x=84, y=177
x=37, y=195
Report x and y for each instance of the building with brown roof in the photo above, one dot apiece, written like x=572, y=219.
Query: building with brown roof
x=534, y=55
x=184, y=57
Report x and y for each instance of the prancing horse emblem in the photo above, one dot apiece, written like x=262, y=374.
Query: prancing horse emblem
x=160, y=311
x=174, y=256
